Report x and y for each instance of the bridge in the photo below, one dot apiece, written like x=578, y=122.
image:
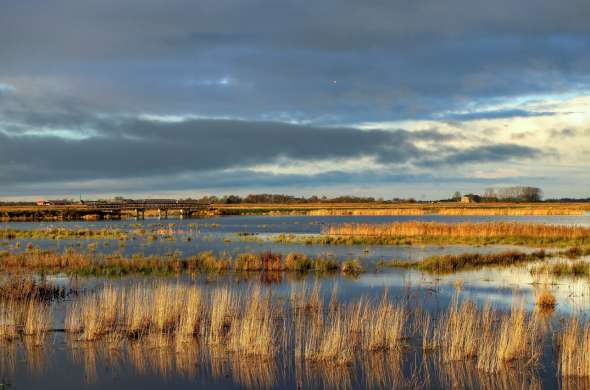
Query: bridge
x=114, y=208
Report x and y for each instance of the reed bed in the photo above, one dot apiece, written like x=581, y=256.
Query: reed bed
x=510, y=211
x=63, y=233
x=493, y=340
x=454, y=263
x=455, y=211
x=88, y=263
x=467, y=230
x=367, y=212
x=219, y=317
x=166, y=326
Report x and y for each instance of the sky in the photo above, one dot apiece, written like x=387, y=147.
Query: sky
x=383, y=98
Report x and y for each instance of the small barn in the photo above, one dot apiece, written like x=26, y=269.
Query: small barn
x=470, y=198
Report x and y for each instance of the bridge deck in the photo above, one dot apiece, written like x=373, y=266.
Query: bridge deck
x=147, y=206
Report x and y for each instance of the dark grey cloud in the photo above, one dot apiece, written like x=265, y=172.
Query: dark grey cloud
x=125, y=148
x=391, y=59
x=134, y=148
x=485, y=154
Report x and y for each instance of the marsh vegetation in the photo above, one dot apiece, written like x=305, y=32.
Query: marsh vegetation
x=388, y=339
x=414, y=232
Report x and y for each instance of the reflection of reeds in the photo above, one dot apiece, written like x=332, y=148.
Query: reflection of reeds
x=253, y=373
x=86, y=355
x=465, y=375
x=35, y=353
x=7, y=360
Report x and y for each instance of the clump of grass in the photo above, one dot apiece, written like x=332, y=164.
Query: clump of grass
x=192, y=319
x=224, y=308
x=248, y=262
x=493, y=340
x=385, y=328
x=38, y=319
x=254, y=333
x=296, y=261
x=513, y=339
x=453, y=263
x=545, y=300
x=352, y=267
x=30, y=317
x=322, y=264
x=26, y=287
x=458, y=332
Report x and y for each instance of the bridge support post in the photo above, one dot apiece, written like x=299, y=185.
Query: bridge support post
x=163, y=213
x=139, y=213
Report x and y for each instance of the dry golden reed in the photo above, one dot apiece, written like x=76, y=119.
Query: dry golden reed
x=28, y=318
x=493, y=340
x=574, y=349
x=466, y=230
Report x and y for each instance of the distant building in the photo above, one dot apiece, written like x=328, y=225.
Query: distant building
x=470, y=198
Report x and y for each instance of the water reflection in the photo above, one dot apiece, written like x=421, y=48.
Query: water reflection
x=168, y=358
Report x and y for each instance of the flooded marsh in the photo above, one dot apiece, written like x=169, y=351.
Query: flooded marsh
x=219, y=303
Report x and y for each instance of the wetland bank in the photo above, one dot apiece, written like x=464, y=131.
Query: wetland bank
x=229, y=302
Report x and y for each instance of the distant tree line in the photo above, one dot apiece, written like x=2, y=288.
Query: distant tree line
x=281, y=199
x=515, y=194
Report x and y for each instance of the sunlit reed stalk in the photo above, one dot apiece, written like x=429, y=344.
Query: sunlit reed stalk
x=574, y=349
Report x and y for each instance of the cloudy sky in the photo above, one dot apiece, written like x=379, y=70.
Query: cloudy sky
x=389, y=98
